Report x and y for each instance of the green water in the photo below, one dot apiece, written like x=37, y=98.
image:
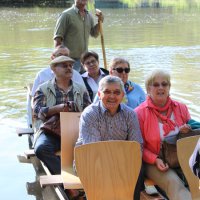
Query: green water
x=149, y=38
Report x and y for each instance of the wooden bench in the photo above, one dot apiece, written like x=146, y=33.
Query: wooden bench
x=185, y=147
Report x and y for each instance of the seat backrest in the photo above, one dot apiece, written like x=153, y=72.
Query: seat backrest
x=108, y=170
x=69, y=122
x=185, y=147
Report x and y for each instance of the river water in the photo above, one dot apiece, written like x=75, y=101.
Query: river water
x=149, y=38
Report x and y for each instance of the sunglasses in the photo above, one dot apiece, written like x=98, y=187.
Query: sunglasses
x=163, y=84
x=121, y=70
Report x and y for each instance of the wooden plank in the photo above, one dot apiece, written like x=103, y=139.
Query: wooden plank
x=29, y=153
x=24, y=131
x=71, y=181
x=48, y=180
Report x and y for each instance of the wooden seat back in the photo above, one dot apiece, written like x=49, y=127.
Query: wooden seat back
x=69, y=133
x=108, y=170
x=185, y=147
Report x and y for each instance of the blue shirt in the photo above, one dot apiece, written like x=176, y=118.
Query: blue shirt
x=96, y=124
x=134, y=97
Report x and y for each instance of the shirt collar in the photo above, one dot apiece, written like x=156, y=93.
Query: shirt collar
x=104, y=110
x=87, y=75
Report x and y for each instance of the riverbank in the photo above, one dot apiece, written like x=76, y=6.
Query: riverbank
x=68, y=3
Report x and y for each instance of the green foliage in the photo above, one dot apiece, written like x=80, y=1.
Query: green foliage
x=91, y=5
x=178, y=4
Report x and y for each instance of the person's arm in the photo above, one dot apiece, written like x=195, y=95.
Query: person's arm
x=148, y=156
x=134, y=129
x=41, y=111
x=94, y=32
x=60, y=29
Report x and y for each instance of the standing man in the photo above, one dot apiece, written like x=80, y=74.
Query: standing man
x=73, y=28
x=109, y=119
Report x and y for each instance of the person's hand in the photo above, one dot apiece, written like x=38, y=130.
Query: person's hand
x=99, y=15
x=185, y=128
x=161, y=165
x=70, y=106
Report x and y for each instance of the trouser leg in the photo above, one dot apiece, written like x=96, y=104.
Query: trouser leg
x=139, y=185
x=169, y=182
x=45, y=148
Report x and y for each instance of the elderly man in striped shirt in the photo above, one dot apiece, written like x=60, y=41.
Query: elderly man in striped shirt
x=109, y=119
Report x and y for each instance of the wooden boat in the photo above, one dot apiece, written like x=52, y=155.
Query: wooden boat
x=52, y=184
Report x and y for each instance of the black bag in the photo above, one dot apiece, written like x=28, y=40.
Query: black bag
x=169, y=151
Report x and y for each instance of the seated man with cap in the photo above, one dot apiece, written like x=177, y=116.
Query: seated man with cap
x=52, y=97
x=47, y=74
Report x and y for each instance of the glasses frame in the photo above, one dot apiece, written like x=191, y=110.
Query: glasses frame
x=90, y=62
x=109, y=92
x=157, y=85
x=121, y=70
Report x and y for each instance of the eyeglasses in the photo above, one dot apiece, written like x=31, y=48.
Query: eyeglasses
x=121, y=70
x=90, y=62
x=163, y=84
x=109, y=92
x=65, y=65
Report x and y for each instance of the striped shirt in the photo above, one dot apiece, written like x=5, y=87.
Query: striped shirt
x=96, y=124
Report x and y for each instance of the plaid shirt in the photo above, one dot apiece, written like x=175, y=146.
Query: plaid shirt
x=96, y=124
x=40, y=100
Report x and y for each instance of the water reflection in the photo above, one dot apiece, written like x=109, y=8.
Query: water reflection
x=149, y=38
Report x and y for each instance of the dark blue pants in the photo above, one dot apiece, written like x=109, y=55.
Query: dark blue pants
x=45, y=148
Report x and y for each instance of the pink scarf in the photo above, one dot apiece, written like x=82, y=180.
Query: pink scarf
x=168, y=124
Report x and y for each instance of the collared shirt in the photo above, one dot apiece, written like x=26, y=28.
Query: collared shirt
x=134, y=95
x=96, y=124
x=75, y=30
x=94, y=85
x=40, y=100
